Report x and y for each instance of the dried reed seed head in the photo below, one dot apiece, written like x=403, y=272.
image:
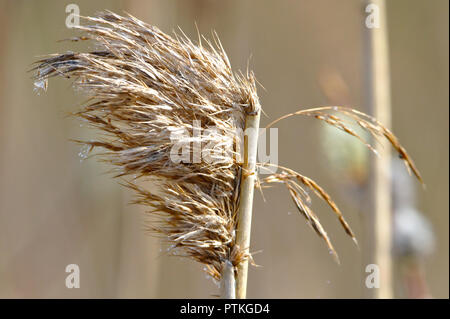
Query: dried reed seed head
x=142, y=84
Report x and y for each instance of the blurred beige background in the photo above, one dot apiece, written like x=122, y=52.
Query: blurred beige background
x=56, y=210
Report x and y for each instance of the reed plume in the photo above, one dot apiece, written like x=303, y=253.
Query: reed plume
x=144, y=89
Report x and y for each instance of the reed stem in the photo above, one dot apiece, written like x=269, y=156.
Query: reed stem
x=247, y=185
x=381, y=104
x=228, y=281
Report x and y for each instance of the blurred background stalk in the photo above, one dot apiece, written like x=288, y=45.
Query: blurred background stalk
x=379, y=100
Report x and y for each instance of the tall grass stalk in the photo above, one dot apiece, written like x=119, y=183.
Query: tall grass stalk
x=381, y=187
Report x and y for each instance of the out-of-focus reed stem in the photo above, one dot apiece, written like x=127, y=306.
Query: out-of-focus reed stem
x=381, y=109
x=247, y=188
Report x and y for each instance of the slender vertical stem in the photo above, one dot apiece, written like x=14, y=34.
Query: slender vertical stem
x=228, y=284
x=246, y=198
x=379, y=69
